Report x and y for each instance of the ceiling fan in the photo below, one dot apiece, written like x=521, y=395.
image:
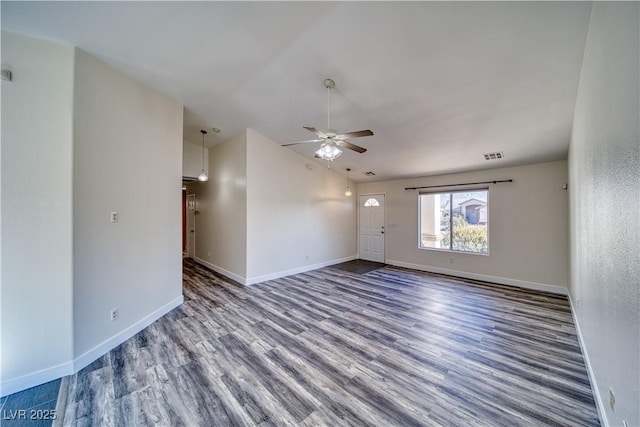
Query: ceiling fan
x=330, y=138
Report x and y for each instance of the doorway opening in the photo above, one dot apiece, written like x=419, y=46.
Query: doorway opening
x=371, y=227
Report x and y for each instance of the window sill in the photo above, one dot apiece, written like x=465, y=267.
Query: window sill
x=449, y=251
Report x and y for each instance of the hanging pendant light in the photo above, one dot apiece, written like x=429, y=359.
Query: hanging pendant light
x=203, y=175
x=348, y=192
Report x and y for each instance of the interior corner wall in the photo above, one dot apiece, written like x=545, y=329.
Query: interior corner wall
x=298, y=217
x=36, y=266
x=127, y=159
x=192, y=159
x=528, y=227
x=221, y=204
x=604, y=165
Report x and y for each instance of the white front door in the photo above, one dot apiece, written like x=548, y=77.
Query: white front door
x=371, y=227
x=191, y=225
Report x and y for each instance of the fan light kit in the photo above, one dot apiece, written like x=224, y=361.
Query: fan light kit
x=328, y=151
x=330, y=138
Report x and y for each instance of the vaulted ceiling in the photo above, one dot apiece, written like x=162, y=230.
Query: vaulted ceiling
x=439, y=83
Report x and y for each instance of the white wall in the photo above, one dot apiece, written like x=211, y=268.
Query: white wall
x=604, y=165
x=263, y=214
x=297, y=219
x=221, y=222
x=37, y=108
x=192, y=159
x=127, y=158
x=528, y=237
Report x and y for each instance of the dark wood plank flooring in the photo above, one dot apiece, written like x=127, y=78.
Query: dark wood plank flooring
x=359, y=266
x=329, y=347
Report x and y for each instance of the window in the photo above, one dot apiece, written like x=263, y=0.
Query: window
x=455, y=221
x=371, y=203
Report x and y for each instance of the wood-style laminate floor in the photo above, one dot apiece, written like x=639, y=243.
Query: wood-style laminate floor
x=329, y=347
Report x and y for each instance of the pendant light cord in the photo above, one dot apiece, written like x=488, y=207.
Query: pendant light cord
x=204, y=132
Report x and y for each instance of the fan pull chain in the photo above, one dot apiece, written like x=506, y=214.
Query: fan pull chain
x=328, y=109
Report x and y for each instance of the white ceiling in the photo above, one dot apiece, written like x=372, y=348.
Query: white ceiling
x=438, y=83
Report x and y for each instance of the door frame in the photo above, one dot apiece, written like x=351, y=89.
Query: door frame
x=191, y=217
x=384, y=220
x=184, y=220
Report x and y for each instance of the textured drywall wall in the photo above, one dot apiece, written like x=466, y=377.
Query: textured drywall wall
x=604, y=165
x=221, y=220
x=37, y=114
x=297, y=213
x=192, y=159
x=267, y=212
x=127, y=158
x=528, y=229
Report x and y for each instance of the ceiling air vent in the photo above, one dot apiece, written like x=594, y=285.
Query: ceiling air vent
x=369, y=173
x=494, y=156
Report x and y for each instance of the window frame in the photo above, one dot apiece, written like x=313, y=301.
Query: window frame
x=374, y=204
x=450, y=250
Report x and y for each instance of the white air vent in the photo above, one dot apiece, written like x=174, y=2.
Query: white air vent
x=494, y=156
x=369, y=173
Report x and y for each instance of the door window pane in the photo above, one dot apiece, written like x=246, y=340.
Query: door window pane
x=371, y=202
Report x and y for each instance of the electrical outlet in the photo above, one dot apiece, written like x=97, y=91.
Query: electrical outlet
x=114, y=216
x=612, y=399
x=114, y=314
x=450, y=260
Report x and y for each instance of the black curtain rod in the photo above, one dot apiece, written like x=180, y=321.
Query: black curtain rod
x=455, y=185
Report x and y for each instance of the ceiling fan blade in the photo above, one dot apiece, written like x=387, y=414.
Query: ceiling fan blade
x=303, y=142
x=316, y=131
x=350, y=146
x=356, y=134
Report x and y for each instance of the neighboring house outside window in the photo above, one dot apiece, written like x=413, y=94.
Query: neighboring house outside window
x=474, y=211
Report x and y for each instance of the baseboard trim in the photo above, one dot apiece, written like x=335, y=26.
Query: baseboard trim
x=602, y=414
x=271, y=276
x=303, y=269
x=560, y=290
x=109, y=344
x=220, y=270
x=35, y=378
x=68, y=368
